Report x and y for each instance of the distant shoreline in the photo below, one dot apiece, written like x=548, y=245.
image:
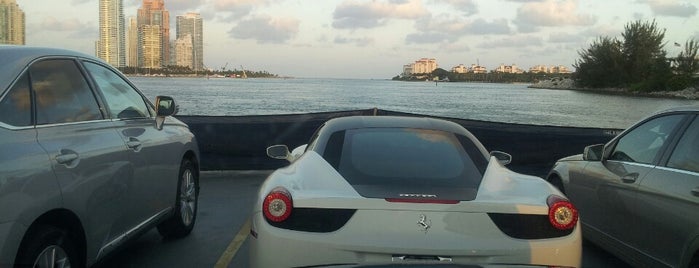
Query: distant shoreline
x=568, y=84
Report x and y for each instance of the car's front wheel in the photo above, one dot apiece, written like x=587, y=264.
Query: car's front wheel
x=47, y=246
x=182, y=222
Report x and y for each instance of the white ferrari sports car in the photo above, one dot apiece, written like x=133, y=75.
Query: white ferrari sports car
x=380, y=190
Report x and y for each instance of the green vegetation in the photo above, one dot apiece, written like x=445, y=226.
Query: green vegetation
x=638, y=62
x=186, y=71
x=491, y=77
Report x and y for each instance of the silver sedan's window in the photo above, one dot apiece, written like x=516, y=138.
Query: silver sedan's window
x=62, y=93
x=643, y=143
x=686, y=154
x=15, y=108
x=123, y=101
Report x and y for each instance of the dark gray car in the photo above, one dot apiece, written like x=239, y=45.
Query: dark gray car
x=638, y=195
x=86, y=161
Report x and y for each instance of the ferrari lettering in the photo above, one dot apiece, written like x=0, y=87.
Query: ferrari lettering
x=419, y=195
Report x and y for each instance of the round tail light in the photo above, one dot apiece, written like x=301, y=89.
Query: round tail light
x=562, y=214
x=277, y=205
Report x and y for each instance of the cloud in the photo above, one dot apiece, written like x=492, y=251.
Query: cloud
x=179, y=7
x=446, y=28
x=469, y=7
x=265, y=29
x=234, y=9
x=562, y=37
x=672, y=8
x=532, y=15
x=353, y=14
x=429, y=38
x=67, y=25
x=518, y=41
x=360, y=42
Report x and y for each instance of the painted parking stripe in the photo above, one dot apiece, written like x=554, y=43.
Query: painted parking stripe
x=234, y=246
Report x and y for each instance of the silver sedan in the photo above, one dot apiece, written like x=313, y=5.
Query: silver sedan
x=86, y=161
x=638, y=195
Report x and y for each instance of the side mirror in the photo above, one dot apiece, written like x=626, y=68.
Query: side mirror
x=278, y=152
x=502, y=157
x=593, y=152
x=165, y=106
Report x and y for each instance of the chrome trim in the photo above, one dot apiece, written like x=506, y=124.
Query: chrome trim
x=72, y=123
x=11, y=127
x=633, y=163
x=124, y=237
x=692, y=173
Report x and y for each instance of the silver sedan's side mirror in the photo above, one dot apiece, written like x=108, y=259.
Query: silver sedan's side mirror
x=164, y=106
x=278, y=152
x=502, y=157
x=593, y=152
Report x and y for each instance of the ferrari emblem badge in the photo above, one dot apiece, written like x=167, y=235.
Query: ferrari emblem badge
x=424, y=223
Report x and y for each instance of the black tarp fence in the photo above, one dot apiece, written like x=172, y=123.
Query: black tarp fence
x=240, y=142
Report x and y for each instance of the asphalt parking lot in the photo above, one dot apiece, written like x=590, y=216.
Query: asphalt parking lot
x=219, y=238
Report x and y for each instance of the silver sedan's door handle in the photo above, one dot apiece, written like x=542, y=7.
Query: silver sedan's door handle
x=134, y=144
x=68, y=157
x=695, y=192
x=629, y=178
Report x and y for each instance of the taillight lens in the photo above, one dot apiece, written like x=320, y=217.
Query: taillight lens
x=277, y=205
x=562, y=214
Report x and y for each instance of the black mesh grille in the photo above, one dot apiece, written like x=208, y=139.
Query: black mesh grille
x=526, y=226
x=317, y=220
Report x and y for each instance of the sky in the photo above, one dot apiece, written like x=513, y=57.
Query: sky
x=373, y=39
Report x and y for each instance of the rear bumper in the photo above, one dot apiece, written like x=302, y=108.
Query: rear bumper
x=457, y=238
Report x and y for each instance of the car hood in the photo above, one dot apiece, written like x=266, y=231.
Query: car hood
x=312, y=182
x=577, y=157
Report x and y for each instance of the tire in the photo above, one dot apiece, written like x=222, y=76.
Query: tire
x=45, y=242
x=186, y=204
x=694, y=263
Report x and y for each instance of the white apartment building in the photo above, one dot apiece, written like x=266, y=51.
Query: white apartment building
x=183, y=51
x=421, y=66
x=510, y=69
x=190, y=25
x=111, y=46
x=12, y=23
x=459, y=69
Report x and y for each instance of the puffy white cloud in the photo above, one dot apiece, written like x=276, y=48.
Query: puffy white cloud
x=362, y=14
x=562, y=37
x=532, y=15
x=672, y=8
x=360, y=42
x=265, y=29
x=67, y=25
x=517, y=41
x=469, y=7
x=449, y=29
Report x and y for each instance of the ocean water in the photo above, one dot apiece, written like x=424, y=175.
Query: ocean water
x=510, y=103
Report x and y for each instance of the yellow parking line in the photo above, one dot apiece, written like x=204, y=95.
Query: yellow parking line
x=234, y=246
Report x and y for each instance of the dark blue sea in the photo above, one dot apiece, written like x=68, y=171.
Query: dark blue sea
x=510, y=103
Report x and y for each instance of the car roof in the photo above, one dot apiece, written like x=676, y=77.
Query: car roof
x=13, y=60
x=689, y=108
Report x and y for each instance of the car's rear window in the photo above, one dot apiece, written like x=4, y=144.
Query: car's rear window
x=406, y=158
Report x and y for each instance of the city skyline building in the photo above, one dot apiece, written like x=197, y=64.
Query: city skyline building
x=183, y=51
x=111, y=46
x=132, y=42
x=151, y=17
x=191, y=25
x=12, y=23
x=151, y=47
